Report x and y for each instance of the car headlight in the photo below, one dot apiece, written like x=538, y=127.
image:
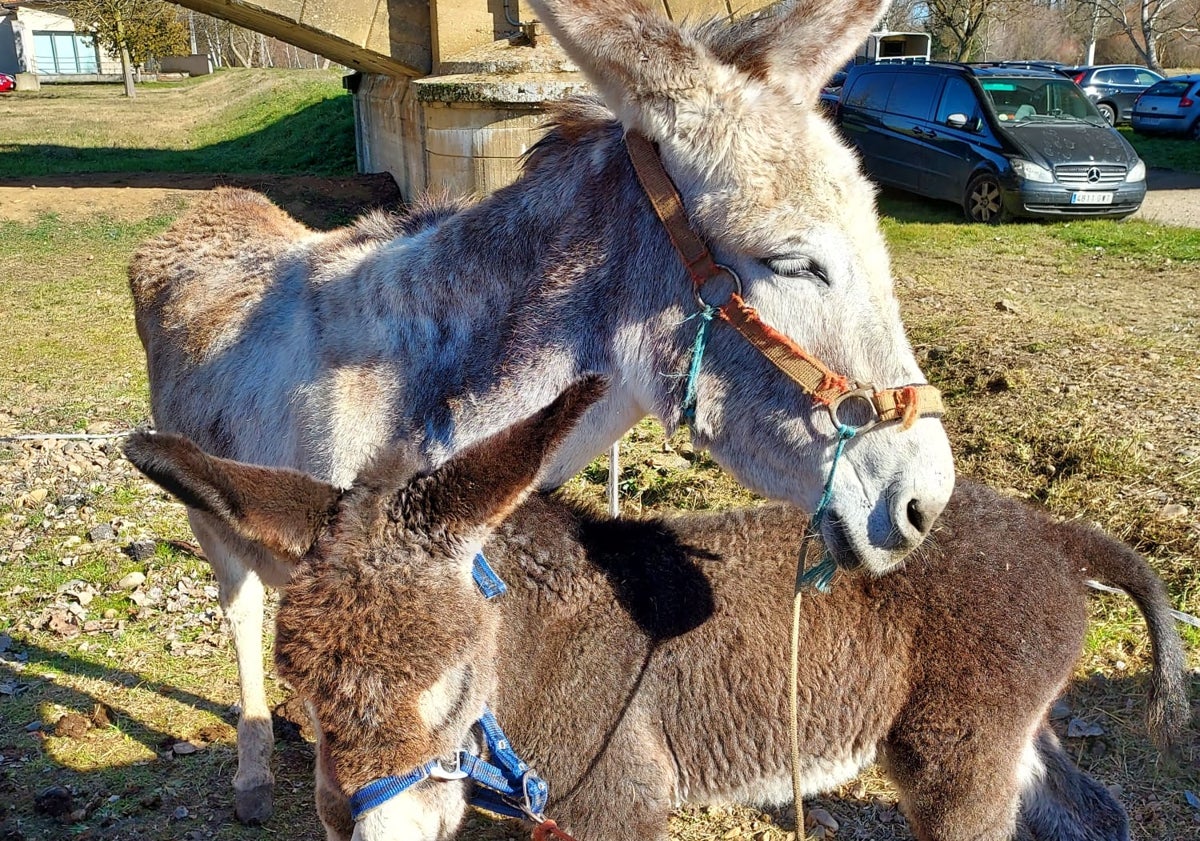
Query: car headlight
x=1029, y=171
x=1138, y=173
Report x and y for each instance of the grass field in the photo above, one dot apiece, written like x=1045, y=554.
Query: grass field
x=1069, y=354
x=234, y=121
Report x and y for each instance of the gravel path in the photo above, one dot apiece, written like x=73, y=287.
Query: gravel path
x=1173, y=198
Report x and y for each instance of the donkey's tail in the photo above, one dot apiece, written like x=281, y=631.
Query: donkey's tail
x=1169, y=712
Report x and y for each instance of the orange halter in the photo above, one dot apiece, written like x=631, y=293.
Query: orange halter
x=826, y=387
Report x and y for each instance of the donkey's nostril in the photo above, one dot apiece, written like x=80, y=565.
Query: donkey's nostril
x=920, y=518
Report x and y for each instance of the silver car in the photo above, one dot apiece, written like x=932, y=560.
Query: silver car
x=1171, y=106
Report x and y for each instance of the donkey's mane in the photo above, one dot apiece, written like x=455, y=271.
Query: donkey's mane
x=574, y=121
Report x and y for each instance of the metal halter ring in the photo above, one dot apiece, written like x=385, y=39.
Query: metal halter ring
x=725, y=271
x=864, y=393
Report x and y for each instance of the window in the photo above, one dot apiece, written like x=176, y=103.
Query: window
x=1104, y=77
x=958, y=98
x=871, y=91
x=913, y=94
x=1145, y=77
x=1168, y=87
x=65, y=53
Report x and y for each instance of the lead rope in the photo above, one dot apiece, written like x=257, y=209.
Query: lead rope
x=819, y=577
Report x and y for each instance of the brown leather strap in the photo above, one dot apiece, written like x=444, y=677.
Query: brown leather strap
x=905, y=404
x=659, y=188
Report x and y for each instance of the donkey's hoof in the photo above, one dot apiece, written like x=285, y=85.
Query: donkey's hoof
x=254, y=806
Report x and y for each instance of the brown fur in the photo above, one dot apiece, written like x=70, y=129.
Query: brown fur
x=639, y=664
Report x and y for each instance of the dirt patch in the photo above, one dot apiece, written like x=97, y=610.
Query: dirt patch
x=318, y=202
x=1173, y=198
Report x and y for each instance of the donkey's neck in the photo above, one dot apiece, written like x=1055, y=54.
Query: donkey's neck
x=495, y=333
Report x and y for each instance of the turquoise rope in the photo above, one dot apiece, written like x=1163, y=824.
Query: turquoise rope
x=820, y=576
x=689, y=396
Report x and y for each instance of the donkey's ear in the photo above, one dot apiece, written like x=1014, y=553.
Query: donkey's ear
x=641, y=62
x=796, y=45
x=480, y=485
x=281, y=510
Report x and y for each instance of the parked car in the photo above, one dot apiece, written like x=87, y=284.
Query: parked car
x=7, y=82
x=1113, y=87
x=1171, y=106
x=999, y=141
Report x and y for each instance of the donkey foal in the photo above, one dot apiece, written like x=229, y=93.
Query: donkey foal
x=640, y=664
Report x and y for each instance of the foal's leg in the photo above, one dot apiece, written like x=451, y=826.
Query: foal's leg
x=962, y=786
x=241, y=595
x=1065, y=804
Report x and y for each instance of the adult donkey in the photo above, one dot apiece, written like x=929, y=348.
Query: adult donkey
x=270, y=343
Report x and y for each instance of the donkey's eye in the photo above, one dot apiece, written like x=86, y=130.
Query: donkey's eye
x=802, y=267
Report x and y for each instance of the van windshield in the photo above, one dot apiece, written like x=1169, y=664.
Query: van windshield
x=1019, y=99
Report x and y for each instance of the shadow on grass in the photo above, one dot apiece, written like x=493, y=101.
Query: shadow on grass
x=317, y=140
x=122, y=792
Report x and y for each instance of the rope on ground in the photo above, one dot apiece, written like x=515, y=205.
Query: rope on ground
x=1185, y=618
x=63, y=436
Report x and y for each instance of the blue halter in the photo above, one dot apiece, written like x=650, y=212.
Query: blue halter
x=504, y=783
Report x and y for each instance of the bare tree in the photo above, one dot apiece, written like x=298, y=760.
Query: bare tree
x=960, y=24
x=1146, y=22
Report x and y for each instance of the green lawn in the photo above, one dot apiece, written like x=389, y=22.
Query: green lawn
x=1177, y=153
x=235, y=121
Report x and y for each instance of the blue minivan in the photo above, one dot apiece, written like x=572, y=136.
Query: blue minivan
x=999, y=141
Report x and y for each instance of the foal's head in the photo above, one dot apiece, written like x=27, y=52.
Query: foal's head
x=382, y=630
x=780, y=199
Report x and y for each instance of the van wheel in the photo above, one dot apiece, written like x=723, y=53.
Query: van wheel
x=1108, y=113
x=984, y=202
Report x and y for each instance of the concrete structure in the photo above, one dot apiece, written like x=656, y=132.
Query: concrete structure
x=450, y=93
x=34, y=39
x=192, y=65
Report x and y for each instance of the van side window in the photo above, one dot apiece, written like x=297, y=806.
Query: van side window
x=912, y=94
x=958, y=97
x=870, y=91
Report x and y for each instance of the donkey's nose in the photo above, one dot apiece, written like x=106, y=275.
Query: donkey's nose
x=915, y=514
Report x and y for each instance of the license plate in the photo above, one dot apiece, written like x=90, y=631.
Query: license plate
x=1091, y=198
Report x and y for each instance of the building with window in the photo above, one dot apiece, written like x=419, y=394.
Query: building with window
x=36, y=39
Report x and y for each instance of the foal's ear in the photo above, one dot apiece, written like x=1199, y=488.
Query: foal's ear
x=640, y=61
x=482, y=484
x=282, y=510
x=798, y=45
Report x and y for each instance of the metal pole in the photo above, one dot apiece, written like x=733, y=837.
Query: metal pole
x=614, y=472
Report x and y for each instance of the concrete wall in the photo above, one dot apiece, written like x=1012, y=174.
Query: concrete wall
x=193, y=65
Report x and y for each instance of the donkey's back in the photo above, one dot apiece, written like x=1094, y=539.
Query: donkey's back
x=943, y=671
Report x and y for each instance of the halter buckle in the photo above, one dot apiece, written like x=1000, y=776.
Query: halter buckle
x=439, y=771
x=864, y=406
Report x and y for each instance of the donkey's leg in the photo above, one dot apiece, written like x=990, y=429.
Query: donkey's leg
x=1063, y=803
x=333, y=807
x=241, y=595
x=962, y=786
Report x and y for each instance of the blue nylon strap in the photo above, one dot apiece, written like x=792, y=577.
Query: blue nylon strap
x=378, y=792
x=505, y=785
x=486, y=579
